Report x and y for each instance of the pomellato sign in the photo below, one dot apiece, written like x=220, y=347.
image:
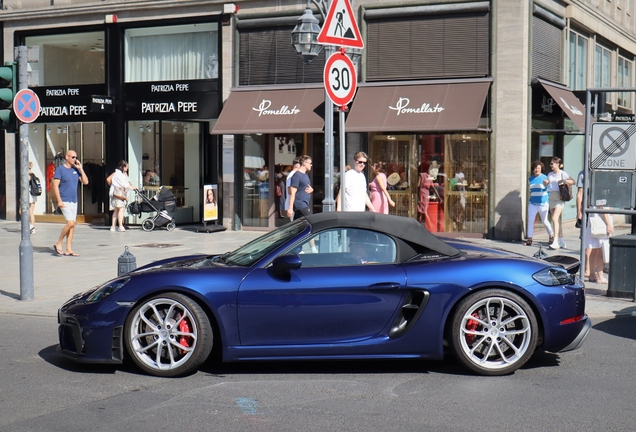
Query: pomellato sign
x=402, y=107
x=264, y=108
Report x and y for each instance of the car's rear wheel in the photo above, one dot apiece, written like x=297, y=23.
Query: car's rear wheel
x=494, y=332
x=168, y=335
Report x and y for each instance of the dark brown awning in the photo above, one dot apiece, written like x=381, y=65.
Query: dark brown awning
x=421, y=107
x=272, y=111
x=569, y=103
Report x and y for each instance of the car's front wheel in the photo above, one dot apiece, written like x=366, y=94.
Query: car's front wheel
x=494, y=332
x=168, y=335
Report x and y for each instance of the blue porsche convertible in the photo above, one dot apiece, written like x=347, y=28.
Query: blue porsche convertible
x=331, y=286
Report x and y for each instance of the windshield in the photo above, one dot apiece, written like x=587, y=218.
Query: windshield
x=257, y=249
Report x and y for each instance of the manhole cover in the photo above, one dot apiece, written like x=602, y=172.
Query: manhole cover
x=158, y=245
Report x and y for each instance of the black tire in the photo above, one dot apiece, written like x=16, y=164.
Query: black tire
x=148, y=225
x=174, y=323
x=494, y=332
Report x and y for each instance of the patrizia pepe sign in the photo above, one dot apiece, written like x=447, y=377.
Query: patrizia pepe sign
x=264, y=108
x=402, y=107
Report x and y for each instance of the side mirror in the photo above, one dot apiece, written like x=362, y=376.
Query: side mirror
x=282, y=265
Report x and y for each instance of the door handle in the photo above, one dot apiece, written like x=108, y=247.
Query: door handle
x=384, y=286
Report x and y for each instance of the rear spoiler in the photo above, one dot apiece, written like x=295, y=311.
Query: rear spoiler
x=569, y=263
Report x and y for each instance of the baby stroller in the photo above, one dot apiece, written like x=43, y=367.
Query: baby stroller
x=162, y=203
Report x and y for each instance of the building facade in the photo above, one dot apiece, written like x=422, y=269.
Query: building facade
x=457, y=98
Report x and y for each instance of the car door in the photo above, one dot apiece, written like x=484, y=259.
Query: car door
x=335, y=297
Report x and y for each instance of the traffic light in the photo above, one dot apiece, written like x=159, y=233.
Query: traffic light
x=8, y=89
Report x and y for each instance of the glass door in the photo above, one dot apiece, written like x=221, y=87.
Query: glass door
x=166, y=153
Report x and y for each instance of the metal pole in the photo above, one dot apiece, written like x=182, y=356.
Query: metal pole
x=328, y=204
x=586, y=179
x=343, y=158
x=26, y=247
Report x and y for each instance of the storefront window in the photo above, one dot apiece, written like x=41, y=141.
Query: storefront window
x=185, y=52
x=68, y=59
x=166, y=153
x=255, y=181
x=442, y=180
x=49, y=144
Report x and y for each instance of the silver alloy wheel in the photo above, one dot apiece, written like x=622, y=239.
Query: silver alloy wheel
x=163, y=334
x=494, y=332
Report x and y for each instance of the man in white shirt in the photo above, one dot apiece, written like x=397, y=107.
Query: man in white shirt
x=356, y=196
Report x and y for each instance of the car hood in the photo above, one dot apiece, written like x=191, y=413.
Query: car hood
x=189, y=261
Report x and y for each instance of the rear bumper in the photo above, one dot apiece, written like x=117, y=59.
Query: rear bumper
x=580, y=338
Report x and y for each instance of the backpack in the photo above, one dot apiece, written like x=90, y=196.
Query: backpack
x=35, y=187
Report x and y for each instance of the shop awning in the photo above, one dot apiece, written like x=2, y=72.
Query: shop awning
x=418, y=107
x=272, y=111
x=569, y=103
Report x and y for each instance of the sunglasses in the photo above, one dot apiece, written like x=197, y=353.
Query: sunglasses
x=73, y=157
x=361, y=162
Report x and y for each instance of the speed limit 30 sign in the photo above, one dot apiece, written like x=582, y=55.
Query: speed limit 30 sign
x=340, y=78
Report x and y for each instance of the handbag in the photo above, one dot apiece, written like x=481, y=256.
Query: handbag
x=598, y=229
x=565, y=191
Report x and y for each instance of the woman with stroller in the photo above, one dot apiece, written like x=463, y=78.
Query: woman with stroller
x=119, y=187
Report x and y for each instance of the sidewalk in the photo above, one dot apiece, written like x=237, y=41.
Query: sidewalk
x=58, y=278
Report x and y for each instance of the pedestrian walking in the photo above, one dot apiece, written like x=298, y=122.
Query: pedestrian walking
x=557, y=205
x=35, y=190
x=118, y=193
x=380, y=197
x=295, y=167
x=65, y=180
x=355, y=187
x=300, y=190
x=538, y=202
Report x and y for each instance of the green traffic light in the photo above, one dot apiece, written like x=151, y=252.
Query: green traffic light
x=8, y=89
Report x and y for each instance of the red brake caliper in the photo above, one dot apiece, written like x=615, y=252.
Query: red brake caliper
x=184, y=327
x=471, y=325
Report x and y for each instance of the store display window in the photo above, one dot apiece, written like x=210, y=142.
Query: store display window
x=439, y=179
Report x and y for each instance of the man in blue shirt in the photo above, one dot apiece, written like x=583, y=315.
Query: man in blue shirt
x=65, y=182
x=300, y=190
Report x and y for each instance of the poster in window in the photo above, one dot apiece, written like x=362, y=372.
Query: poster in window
x=210, y=209
x=546, y=145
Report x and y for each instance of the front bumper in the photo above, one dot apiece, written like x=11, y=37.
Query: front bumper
x=95, y=340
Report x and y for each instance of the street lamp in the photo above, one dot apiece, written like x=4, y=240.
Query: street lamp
x=304, y=39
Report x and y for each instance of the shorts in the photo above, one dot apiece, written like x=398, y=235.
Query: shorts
x=555, y=200
x=117, y=203
x=70, y=211
x=32, y=199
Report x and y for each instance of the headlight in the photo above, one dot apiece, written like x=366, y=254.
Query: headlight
x=554, y=276
x=107, y=289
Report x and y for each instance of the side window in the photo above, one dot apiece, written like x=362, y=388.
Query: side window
x=346, y=247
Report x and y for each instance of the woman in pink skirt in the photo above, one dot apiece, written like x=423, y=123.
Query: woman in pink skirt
x=380, y=197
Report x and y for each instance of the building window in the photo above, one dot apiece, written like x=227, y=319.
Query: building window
x=578, y=61
x=624, y=80
x=68, y=59
x=184, y=52
x=602, y=67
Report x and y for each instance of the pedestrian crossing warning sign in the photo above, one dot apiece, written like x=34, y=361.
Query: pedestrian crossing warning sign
x=340, y=27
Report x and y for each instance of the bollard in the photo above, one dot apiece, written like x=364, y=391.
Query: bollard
x=126, y=263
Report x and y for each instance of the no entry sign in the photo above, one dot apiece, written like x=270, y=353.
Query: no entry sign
x=340, y=78
x=26, y=105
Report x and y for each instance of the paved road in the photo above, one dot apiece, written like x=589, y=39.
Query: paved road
x=57, y=278
x=591, y=389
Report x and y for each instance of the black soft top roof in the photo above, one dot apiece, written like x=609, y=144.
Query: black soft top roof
x=407, y=229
